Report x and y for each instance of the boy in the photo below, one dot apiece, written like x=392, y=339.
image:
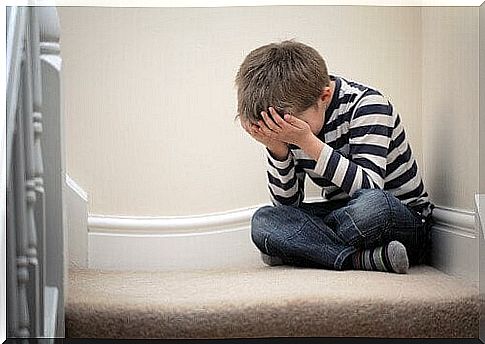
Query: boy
x=348, y=138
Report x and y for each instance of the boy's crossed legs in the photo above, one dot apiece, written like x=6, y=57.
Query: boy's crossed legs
x=371, y=231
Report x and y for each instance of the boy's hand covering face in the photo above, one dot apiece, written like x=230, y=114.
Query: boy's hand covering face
x=252, y=129
x=290, y=129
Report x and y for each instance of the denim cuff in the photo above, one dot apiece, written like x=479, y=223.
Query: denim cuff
x=343, y=256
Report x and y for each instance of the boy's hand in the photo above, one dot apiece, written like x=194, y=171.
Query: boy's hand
x=279, y=148
x=290, y=129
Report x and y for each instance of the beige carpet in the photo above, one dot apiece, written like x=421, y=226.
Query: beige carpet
x=279, y=301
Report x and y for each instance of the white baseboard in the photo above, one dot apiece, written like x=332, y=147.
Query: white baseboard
x=455, y=243
x=222, y=240
x=77, y=223
x=214, y=241
x=480, y=210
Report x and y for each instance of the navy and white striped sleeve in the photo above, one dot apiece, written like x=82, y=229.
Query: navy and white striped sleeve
x=370, y=130
x=285, y=184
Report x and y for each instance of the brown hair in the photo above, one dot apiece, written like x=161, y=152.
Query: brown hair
x=288, y=76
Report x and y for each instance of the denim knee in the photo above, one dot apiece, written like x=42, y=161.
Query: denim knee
x=374, y=194
x=260, y=214
x=275, y=222
x=365, y=220
x=259, y=226
x=371, y=201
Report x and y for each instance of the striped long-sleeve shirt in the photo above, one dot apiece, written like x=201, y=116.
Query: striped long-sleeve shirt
x=365, y=147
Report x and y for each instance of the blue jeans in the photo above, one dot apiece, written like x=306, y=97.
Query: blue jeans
x=326, y=234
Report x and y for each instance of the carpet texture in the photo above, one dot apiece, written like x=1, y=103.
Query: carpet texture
x=278, y=301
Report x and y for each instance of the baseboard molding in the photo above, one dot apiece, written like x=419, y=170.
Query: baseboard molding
x=458, y=221
x=213, y=241
x=480, y=210
x=222, y=240
x=76, y=202
x=76, y=188
x=455, y=243
x=171, y=225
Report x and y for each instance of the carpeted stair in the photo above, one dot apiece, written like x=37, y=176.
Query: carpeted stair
x=264, y=301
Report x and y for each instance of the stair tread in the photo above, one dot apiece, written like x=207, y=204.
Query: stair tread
x=268, y=301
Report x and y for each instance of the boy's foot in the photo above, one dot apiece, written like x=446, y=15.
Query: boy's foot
x=271, y=260
x=391, y=257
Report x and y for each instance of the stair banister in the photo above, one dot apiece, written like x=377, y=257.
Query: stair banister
x=35, y=285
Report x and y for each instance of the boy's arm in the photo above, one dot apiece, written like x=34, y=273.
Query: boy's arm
x=369, y=133
x=285, y=183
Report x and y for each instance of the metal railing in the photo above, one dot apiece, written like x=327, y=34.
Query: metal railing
x=35, y=264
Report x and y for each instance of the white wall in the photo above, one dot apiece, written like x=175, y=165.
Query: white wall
x=450, y=105
x=482, y=98
x=481, y=207
x=150, y=96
